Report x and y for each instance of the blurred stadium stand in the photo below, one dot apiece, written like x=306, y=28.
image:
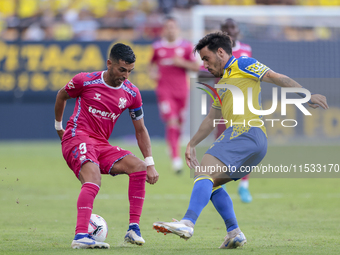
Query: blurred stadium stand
x=45, y=42
x=104, y=19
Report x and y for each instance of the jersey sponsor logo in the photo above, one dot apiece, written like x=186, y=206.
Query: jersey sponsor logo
x=96, y=81
x=166, y=62
x=70, y=85
x=128, y=90
x=257, y=68
x=102, y=114
x=97, y=96
x=122, y=102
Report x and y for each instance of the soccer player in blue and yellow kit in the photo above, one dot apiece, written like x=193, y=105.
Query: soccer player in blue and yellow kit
x=239, y=145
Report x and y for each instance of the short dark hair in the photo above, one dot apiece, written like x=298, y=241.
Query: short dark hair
x=226, y=21
x=214, y=41
x=123, y=52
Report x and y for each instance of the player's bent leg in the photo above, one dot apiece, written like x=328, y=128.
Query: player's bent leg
x=128, y=165
x=90, y=172
x=216, y=169
x=136, y=169
x=170, y=109
x=219, y=131
x=176, y=227
x=173, y=132
x=223, y=203
x=90, y=178
x=200, y=196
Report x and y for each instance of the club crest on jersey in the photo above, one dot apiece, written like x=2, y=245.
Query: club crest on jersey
x=122, y=102
x=70, y=85
x=97, y=96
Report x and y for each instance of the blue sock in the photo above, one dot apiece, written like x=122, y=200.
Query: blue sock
x=224, y=206
x=200, y=197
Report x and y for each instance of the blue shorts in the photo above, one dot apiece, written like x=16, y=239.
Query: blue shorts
x=240, y=152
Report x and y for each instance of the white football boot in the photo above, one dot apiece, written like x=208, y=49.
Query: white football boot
x=232, y=243
x=177, y=228
x=85, y=241
x=133, y=235
x=177, y=165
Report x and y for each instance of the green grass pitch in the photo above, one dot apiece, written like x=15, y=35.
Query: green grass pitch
x=287, y=215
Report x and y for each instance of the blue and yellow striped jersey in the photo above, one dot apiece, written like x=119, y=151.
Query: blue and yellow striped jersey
x=243, y=73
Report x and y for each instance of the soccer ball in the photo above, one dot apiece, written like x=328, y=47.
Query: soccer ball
x=98, y=228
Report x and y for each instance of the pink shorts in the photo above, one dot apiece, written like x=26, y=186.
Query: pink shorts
x=171, y=107
x=80, y=149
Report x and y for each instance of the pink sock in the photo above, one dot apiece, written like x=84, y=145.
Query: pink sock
x=136, y=195
x=245, y=178
x=178, y=135
x=86, y=197
x=172, y=137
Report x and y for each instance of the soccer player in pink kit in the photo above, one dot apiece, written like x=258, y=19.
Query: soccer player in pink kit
x=101, y=97
x=171, y=59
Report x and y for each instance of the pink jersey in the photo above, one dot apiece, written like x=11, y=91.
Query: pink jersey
x=99, y=105
x=240, y=49
x=172, y=79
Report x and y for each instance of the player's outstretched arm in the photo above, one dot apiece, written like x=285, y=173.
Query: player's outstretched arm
x=144, y=144
x=59, y=108
x=204, y=130
x=186, y=64
x=284, y=81
x=153, y=72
